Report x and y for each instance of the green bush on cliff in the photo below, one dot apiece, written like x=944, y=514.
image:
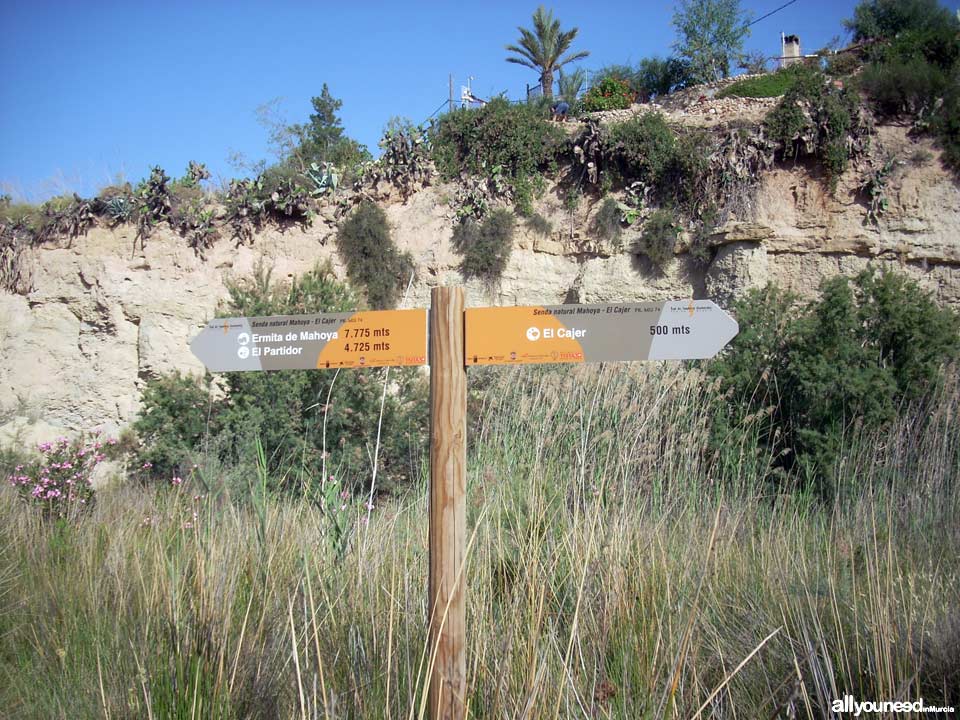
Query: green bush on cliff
x=372, y=259
x=820, y=119
x=485, y=246
x=507, y=144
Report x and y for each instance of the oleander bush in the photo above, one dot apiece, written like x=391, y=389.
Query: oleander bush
x=610, y=93
x=58, y=478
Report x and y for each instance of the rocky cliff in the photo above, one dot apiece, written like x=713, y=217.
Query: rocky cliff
x=101, y=318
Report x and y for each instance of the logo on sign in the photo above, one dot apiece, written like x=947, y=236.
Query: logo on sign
x=243, y=338
x=243, y=353
x=533, y=334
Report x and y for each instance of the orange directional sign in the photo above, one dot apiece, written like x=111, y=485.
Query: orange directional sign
x=305, y=342
x=673, y=330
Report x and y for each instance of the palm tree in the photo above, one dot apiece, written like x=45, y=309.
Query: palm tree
x=569, y=86
x=542, y=48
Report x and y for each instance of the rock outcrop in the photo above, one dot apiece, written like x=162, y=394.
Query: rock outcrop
x=101, y=319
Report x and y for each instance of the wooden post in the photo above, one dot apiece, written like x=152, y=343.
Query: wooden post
x=448, y=516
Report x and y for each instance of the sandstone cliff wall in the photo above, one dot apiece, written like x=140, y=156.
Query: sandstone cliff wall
x=102, y=319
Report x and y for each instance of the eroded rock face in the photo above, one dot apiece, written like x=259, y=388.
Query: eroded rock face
x=739, y=266
x=102, y=317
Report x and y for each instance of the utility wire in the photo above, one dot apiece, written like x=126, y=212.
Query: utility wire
x=445, y=102
x=764, y=17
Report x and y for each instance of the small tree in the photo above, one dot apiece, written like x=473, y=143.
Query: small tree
x=887, y=18
x=660, y=76
x=710, y=35
x=542, y=48
x=570, y=84
x=323, y=138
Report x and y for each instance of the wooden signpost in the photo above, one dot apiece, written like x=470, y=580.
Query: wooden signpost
x=673, y=330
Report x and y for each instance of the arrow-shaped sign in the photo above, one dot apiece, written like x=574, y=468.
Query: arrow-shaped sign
x=673, y=330
x=307, y=342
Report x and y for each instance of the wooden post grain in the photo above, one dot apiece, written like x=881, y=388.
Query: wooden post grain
x=448, y=469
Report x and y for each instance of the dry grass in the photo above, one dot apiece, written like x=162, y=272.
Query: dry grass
x=618, y=569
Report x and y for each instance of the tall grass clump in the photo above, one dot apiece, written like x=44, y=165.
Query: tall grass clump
x=618, y=565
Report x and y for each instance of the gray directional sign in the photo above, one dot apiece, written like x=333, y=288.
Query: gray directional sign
x=323, y=341
x=672, y=330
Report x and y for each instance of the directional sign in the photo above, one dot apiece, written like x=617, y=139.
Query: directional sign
x=673, y=330
x=306, y=342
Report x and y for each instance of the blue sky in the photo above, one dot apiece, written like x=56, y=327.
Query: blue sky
x=93, y=91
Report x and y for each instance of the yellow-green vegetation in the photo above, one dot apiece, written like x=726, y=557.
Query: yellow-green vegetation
x=618, y=567
x=764, y=86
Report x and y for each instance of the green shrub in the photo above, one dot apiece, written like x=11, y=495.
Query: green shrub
x=899, y=86
x=843, y=64
x=606, y=223
x=765, y=86
x=659, y=238
x=540, y=225
x=945, y=125
x=891, y=18
x=844, y=363
x=611, y=93
x=485, y=246
x=672, y=165
x=372, y=259
x=659, y=76
x=817, y=118
x=685, y=182
x=175, y=416
x=625, y=73
x=294, y=415
x=917, y=72
x=513, y=141
x=645, y=146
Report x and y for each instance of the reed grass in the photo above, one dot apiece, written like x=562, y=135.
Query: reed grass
x=619, y=567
